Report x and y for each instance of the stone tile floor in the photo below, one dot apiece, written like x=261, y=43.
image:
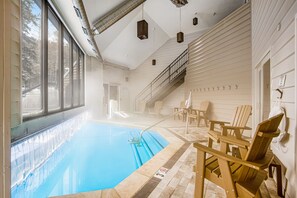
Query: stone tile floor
x=180, y=179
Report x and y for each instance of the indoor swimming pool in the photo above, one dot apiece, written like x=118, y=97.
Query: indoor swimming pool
x=98, y=156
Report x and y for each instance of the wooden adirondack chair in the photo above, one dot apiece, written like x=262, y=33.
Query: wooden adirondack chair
x=198, y=114
x=181, y=111
x=239, y=177
x=234, y=128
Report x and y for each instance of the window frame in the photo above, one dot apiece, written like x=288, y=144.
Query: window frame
x=66, y=33
x=50, y=10
x=45, y=9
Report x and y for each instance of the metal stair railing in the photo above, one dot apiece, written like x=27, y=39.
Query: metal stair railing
x=168, y=75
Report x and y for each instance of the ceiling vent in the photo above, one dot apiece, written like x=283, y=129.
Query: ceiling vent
x=116, y=14
x=179, y=3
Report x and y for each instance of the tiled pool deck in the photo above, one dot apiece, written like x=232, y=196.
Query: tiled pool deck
x=179, y=157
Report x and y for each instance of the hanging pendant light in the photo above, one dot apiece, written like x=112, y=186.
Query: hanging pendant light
x=195, y=21
x=154, y=35
x=142, y=28
x=180, y=35
x=154, y=62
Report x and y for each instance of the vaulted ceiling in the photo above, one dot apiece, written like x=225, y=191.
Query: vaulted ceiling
x=119, y=43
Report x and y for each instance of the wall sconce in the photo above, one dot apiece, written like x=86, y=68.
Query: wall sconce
x=180, y=37
x=154, y=62
x=195, y=21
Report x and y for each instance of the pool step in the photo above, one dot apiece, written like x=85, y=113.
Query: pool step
x=137, y=158
x=146, y=149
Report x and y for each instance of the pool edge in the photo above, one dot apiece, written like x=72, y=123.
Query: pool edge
x=134, y=182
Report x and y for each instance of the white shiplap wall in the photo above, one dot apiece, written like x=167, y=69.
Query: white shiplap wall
x=219, y=67
x=273, y=30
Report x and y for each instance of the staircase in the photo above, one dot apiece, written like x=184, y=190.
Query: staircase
x=168, y=80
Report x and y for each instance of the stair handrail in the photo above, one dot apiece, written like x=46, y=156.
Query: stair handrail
x=162, y=73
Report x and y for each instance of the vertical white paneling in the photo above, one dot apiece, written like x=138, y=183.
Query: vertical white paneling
x=2, y=120
x=7, y=55
x=274, y=30
x=219, y=68
x=94, y=86
x=15, y=65
x=295, y=109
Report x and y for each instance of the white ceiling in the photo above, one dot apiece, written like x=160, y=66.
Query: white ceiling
x=120, y=45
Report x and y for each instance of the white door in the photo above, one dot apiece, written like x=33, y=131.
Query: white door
x=262, y=91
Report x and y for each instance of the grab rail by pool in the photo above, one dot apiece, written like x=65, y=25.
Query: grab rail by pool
x=136, y=140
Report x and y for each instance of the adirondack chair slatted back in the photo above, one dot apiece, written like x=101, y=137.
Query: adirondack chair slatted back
x=265, y=131
x=241, y=116
x=204, y=106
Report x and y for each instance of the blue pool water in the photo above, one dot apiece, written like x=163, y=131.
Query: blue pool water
x=98, y=156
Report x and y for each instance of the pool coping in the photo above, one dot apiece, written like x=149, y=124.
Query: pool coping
x=144, y=174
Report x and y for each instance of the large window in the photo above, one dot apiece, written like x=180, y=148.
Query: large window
x=75, y=64
x=67, y=71
x=31, y=57
x=53, y=73
x=52, y=63
x=81, y=78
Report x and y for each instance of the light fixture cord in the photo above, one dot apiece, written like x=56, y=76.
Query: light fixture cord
x=180, y=19
x=154, y=38
x=142, y=10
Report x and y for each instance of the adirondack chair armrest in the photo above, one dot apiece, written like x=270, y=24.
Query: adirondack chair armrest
x=257, y=165
x=236, y=128
x=216, y=122
x=234, y=141
x=198, y=110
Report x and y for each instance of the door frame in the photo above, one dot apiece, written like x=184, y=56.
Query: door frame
x=295, y=95
x=258, y=89
x=108, y=96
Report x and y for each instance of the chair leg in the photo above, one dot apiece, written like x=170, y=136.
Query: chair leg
x=210, y=141
x=198, y=120
x=205, y=119
x=228, y=181
x=258, y=194
x=200, y=171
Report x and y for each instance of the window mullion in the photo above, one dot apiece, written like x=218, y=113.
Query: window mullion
x=78, y=75
x=71, y=67
x=45, y=57
x=61, y=43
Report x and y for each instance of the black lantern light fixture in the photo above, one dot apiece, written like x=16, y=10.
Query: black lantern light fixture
x=179, y=3
x=195, y=21
x=142, y=28
x=180, y=35
x=154, y=62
